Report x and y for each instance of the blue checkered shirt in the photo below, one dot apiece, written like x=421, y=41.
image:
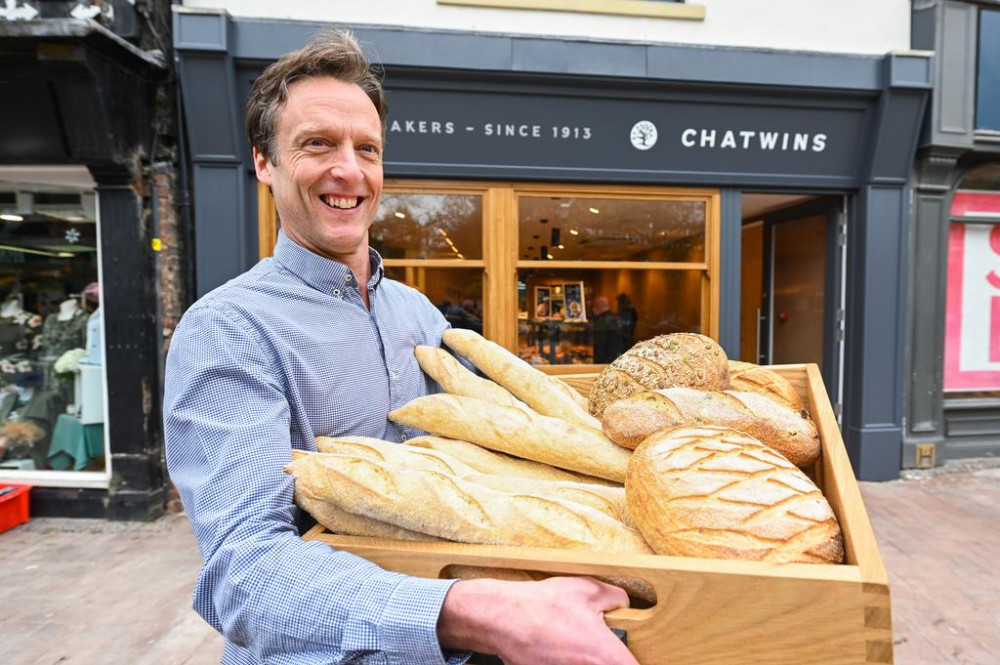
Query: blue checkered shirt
x=263, y=364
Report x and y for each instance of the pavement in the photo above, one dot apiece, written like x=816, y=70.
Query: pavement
x=96, y=592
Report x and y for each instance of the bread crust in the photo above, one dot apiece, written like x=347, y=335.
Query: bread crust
x=717, y=493
x=751, y=378
x=665, y=361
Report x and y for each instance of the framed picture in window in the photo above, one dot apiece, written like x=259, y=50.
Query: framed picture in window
x=543, y=302
x=576, y=306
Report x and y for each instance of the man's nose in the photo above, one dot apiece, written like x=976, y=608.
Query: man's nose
x=345, y=165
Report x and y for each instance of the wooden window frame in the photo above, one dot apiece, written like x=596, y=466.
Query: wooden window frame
x=500, y=261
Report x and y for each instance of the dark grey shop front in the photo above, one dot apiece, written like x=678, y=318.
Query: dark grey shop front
x=466, y=106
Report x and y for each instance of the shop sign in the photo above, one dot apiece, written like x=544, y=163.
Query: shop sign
x=498, y=132
x=972, y=324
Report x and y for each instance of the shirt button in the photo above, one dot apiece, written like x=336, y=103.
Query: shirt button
x=348, y=279
x=336, y=292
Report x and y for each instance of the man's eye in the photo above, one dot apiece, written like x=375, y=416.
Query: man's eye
x=318, y=143
x=370, y=148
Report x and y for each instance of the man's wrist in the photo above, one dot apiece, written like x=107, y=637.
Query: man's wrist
x=467, y=615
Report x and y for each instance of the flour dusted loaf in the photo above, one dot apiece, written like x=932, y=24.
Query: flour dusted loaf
x=627, y=422
x=546, y=395
x=445, y=506
x=489, y=461
x=751, y=378
x=717, y=493
x=679, y=359
x=510, y=430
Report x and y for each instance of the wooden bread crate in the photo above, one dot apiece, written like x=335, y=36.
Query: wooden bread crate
x=711, y=611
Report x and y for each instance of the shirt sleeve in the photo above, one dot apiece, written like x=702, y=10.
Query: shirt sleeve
x=226, y=424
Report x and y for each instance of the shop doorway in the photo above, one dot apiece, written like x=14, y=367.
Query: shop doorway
x=792, y=308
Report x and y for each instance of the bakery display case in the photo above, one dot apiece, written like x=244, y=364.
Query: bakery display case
x=710, y=610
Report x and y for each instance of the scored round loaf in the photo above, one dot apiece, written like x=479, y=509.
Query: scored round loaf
x=665, y=361
x=717, y=493
x=752, y=378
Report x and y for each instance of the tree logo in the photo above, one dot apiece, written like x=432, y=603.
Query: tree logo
x=643, y=135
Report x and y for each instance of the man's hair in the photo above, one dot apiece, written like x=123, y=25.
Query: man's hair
x=333, y=52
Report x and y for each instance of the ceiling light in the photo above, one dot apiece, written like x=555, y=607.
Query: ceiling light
x=549, y=257
x=400, y=215
x=11, y=218
x=595, y=211
x=561, y=246
x=450, y=243
x=441, y=231
x=460, y=256
x=574, y=232
x=65, y=255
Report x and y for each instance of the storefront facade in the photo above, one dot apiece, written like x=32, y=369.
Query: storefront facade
x=79, y=301
x=953, y=397
x=547, y=181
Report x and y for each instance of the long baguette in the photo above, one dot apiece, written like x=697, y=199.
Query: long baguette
x=349, y=524
x=515, y=432
x=629, y=421
x=608, y=500
x=544, y=394
x=455, y=379
x=449, y=507
x=488, y=461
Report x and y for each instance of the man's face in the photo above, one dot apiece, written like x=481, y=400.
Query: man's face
x=326, y=175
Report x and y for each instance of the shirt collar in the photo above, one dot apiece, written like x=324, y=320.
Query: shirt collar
x=321, y=273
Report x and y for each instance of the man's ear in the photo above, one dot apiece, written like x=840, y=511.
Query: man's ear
x=262, y=165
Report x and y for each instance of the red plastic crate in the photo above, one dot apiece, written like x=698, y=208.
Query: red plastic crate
x=13, y=506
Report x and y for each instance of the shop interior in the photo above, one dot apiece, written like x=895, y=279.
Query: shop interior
x=51, y=352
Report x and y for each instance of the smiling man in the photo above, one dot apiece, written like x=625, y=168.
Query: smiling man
x=316, y=341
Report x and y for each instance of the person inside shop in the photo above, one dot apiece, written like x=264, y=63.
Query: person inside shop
x=628, y=317
x=464, y=316
x=609, y=334
x=317, y=341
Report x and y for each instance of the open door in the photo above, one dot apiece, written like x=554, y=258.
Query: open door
x=793, y=287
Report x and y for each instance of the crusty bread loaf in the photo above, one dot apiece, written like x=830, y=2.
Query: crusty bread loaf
x=627, y=422
x=546, y=395
x=718, y=493
x=678, y=359
x=608, y=500
x=454, y=378
x=751, y=378
x=349, y=524
x=488, y=461
x=446, y=506
x=515, y=432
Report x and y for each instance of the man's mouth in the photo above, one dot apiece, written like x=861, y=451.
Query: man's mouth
x=341, y=202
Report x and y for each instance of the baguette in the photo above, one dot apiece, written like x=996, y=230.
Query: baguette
x=629, y=421
x=340, y=521
x=488, y=461
x=455, y=379
x=665, y=361
x=718, y=493
x=546, y=395
x=608, y=500
x=751, y=378
x=449, y=507
x=515, y=432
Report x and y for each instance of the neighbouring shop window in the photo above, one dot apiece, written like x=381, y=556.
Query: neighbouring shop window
x=598, y=274
x=51, y=350
x=988, y=71
x=972, y=323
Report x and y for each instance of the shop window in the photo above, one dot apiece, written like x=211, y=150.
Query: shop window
x=51, y=351
x=972, y=319
x=562, y=274
x=988, y=75
x=598, y=274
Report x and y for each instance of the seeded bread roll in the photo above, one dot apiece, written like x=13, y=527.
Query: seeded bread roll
x=717, y=493
x=443, y=505
x=516, y=432
x=546, y=395
x=751, y=378
x=454, y=378
x=679, y=359
x=627, y=422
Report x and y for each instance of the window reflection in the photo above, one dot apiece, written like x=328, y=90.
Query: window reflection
x=458, y=293
x=429, y=226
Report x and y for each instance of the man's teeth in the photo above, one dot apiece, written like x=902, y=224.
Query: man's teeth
x=340, y=202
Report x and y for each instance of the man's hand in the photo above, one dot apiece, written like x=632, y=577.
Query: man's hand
x=558, y=621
